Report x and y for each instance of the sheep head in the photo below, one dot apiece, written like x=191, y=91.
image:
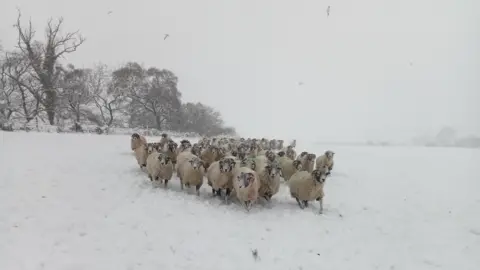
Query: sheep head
x=281, y=153
x=297, y=164
x=319, y=175
x=304, y=153
x=196, y=149
x=227, y=165
x=270, y=155
x=273, y=169
x=135, y=136
x=196, y=163
x=245, y=178
x=164, y=159
x=311, y=157
x=164, y=135
x=329, y=154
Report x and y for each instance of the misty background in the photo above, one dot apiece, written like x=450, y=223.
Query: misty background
x=371, y=70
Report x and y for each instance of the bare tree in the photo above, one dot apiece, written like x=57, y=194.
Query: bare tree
x=75, y=94
x=24, y=87
x=109, y=100
x=43, y=57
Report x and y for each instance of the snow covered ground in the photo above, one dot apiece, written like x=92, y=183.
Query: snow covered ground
x=72, y=202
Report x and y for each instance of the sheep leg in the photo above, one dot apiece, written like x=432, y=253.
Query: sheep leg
x=227, y=195
x=321, y=205
x=305, y=203
x=166, y=182
x=248, y=205
x=197, y=187
x=299, y=203
x=150, y=177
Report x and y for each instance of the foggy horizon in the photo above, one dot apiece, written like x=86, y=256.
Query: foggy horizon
x=370, y=70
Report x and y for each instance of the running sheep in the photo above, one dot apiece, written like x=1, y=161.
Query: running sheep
x=289, y=167
x=136, y=141
x=190, y=172
x=246, y=185
x=269, y=174
x=325, y=160
x=159, y=167
x=308, y=162
x=220, y=175
x=305, y=187
x=141, y=154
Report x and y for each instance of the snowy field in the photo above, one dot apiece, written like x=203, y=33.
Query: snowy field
x=80, y=202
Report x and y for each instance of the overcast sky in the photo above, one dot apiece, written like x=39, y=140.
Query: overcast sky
x=373, y=69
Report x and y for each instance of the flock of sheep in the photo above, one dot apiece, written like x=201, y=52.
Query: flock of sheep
x=249, y=168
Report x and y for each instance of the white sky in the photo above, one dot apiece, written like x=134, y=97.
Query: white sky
x=246, y=57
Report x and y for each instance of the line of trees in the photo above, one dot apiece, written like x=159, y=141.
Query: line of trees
x=34, y=84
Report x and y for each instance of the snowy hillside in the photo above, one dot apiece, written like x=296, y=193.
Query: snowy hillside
x=72, y=202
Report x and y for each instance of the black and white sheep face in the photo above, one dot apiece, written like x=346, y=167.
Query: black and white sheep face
x=273, y=170
x=329, y=154
x=196, y=163
x=164, y=135
x=196, y=149
x=319, y=176
x=227, y=165
x=245, y=179
x=304, y=153
x=135, y=136
x=164, y=159
x=297, y=164
x=172, y=146
x=281, y=153
x=311, y=157
x=270, y=155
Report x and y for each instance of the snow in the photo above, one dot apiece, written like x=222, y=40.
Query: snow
x=75, y=202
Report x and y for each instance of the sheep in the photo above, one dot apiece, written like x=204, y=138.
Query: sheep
x=269, y=174
x=159, y=167
x=305, y=187
x=290, y=152
x=184, y=146
x=209, y=155
x=248, y=162
x=279, y=144
x=219, y=176
x=246, y=184
x=170, y=149
x=190, y=173
x=302, y=154
x=153, y=147
x=308, y=162
x=289, y=167
x=325, y=160
x=136, y=141
x=141, y=154
x=164, y=140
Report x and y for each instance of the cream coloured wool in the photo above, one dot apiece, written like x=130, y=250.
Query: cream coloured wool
x=246, y=185
x=305, y=187
x=159, y=167
x=191, y=173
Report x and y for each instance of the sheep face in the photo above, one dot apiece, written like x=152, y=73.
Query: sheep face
x=297, y=164
x=270, y=155
x=245, y=179
x=164, y=135
x=135, y=136
x=311, y=157
x=196, y=149
x=319, y=176
x=164, y=159
x=250, y=163
x=196, y=163
x=172, y=146
x=227, y=165
x=281, y=153
x=273, y=170
x=329, y=154
x=241, y=155
x=304, y=153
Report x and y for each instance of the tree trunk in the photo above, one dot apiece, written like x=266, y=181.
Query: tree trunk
x=50, y=98
x=158, y=122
